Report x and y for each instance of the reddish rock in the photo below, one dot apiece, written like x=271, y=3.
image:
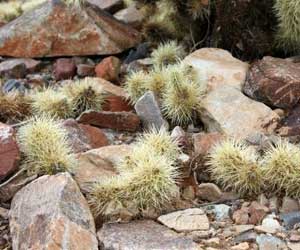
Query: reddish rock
x=49, y=29
x=117, y=104
x=64, y=68
x=9, y=151
x=109, y=69
x=115, y=120
x=204, y=142
x=85, y=70
x=95, y=135
x=257, y=212
x=241, y=216
x=18, y=68
x=274, y=81
x=290, y=125
x=111, y=88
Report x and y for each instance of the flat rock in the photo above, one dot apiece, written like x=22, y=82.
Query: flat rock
x=209, y=192
x=269, y=225
x=267, y=242
x=293, y=246
x=147, y=108
x=18, y=68
x=203, y=142
x=142, y=235
x=51, y=213
x=274, y=81
x=186, y=220
x=290, y=219
x=228, y=111
x=9, y=151
x=121, y=121
x=218, y=67
x=56, y=29
x=108, y=5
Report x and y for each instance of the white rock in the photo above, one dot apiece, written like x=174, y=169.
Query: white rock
x=187, y=220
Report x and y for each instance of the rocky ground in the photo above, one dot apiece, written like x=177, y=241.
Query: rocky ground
x=253, y=101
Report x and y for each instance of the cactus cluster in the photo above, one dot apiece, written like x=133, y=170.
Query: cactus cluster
x=147, y=178
x=177, y=85
x=236, y=166
x=44, y=143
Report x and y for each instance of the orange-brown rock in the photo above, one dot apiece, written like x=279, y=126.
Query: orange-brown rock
x=56, y=29
x=109, y=68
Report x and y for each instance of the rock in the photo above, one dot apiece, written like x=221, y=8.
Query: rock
x=188, y=220
x=48, y=31
x=14, y=84
x=257, y=212
x=9, y=151
x=249, y=236
x=273, y=204
x=267, y=242
x=142, y=235
x=241, y=246
x=221, y=211
x=111, y=88
x=113, y=153
x=212, y=242
x=50, y=213
x=241, y=216
x=108, y=5
x=289, y=205
x=64, y=68
x=263, y=200
x=274, y=81
x=115, y=103
x=84, y=137
x=85, y=70
x=18, y=68
x=124, y=121
x=109, y=69
x=290, y=219
x=227, y=110
x=269, y=225
x=130, y=15
x=290, y=124
x=218, y=67
x=91, y=168
x=203, y=142
x=147, y=108
x=239, y=229
x=140, y=52
x=293, y=246
x=209, y=192
x=295, y=237
x=180, y=136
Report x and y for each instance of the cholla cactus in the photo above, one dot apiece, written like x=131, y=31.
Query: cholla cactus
x=288, y=33
x=135, y=85
x=51, y=102
x=10, y=10
x=235, y=166
x=45, y=146
x=85, y=94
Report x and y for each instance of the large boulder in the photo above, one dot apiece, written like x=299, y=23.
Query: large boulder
x=274, y=81
x=56, y=29
x=51, y=213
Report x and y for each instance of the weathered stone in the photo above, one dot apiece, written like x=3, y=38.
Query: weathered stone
x=142, y=235
x=267, y=242
x=257, y=212
x=147, y=108
x=290, y=125
x=64, y=68
x=221, y=212
x=49, y=29
x=185, y=221
x=241, y=216
x=91, y=168
x=85, y=70
x=203, y=142
x=209, y=192
x=289, y=205
x=84, y=137
x=116, y=103
x=109, y=69
x=248, y=236
x=18, y=68
x=218, y=67
x=9, y=151
x=269, y=225
x=111, y=88
x=290, y=219
x=131, y=15
x=228, y=111
x=126, y=121
x=108, y=5
x=51, y=213
x=180, y=136
x=274, y=81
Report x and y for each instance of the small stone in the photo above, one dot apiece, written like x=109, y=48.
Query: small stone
x=50, y=213
x=122, y=121
x=109, y=69
x=18, y=68
x=9, y=151
x=249, y=236
x=209, y=192
x=290, y=219
x=111, y=88
x=241, y=216
x=142, y=235
x=293, y=246
x=257, y=212
x=267, y=242
x=239, y=229
x=96, y=136
x=180, y=136
x=4, y=213
x=85, y=70
x=289, y=205
x=14, y=84
x=295, y=237
x=221, y=211
x=241, y=246
x=269, y=225
x=64, y=68
x=212, y=242
x=263, y=200
x=147, y=108
x=131, y=15
x=115, y=103
x=185, y=221
x=204, y=142
x=107, y=5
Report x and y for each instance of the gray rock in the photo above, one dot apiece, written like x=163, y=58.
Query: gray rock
x=148, y=110
x=290, y=219
x=142, y=235
x=266, y=242
x=186, y=220
x=51, y=213
x=209, y=192
x=249, y=236
x=18, y=68
x=221, y=211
